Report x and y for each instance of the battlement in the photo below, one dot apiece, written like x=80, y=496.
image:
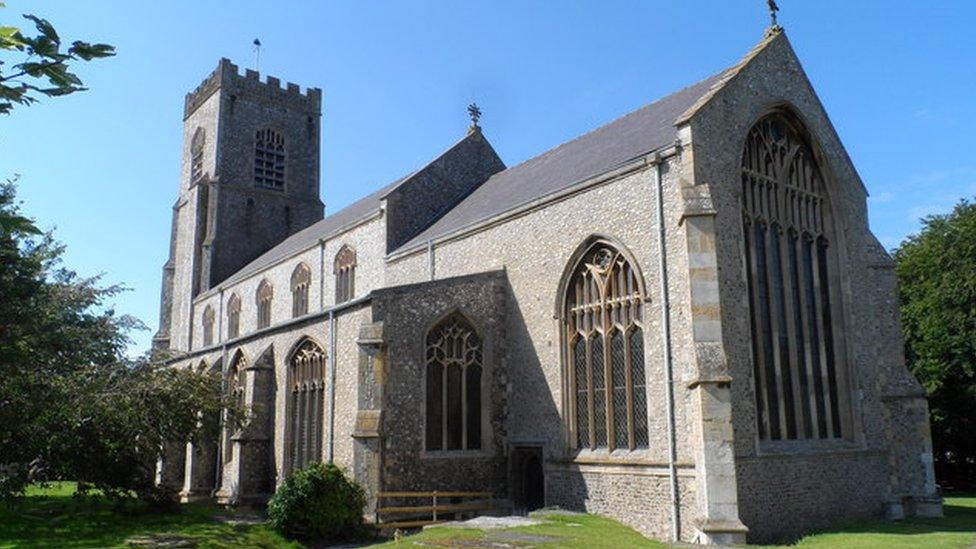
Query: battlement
x=227, y=76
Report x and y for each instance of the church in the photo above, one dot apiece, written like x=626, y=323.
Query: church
x=679, y=320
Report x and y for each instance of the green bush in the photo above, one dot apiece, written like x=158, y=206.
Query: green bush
x=318, y=503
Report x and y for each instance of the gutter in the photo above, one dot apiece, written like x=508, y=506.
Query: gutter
x=668, y=360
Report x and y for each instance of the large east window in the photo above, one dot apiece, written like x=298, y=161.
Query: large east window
x=788, y=262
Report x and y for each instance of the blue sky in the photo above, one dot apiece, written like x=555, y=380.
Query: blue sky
x=897, y=78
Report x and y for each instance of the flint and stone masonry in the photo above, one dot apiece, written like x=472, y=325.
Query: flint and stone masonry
x=451, y=357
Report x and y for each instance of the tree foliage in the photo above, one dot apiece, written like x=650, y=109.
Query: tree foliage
x=72, y=405
x=937, y=276
x=44, y=64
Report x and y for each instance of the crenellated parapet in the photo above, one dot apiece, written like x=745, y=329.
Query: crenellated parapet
x=227, y=76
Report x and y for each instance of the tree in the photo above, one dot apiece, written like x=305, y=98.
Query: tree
x=72, y=405
x=937, y=276
x=44, y=67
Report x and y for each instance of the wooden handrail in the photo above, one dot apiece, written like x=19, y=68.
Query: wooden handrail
x=432, y=509
x=434, y=494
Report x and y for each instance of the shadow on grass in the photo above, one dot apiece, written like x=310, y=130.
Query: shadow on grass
x=53, y=519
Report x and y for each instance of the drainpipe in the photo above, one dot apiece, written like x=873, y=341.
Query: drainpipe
x=332, y=383
x=668, y=364
x=430, y=260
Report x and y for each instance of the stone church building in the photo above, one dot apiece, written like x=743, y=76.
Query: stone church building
x=680, y=319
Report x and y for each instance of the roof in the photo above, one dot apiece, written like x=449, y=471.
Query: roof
x=647, y=129
x=310, y=236
x=640, y=132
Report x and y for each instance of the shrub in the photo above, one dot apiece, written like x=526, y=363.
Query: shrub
x=317, y=503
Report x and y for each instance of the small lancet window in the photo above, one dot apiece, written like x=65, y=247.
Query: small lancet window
x=233, y=316
x=301, y=279
x=208, y=326
x=307, y=403
x=196, y=155
x=264, y=294
x=453, y=397
x=269, y=159
x=344, y=269
x=788, y=257
x=603, y=323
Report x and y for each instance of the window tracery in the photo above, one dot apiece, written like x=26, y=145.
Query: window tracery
x=453, y=396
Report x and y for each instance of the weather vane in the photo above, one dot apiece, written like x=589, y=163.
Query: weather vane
x=257, y=54
x=773, y=8
x=475, y=113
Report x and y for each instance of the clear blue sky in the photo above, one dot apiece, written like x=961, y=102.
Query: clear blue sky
x=897, y=78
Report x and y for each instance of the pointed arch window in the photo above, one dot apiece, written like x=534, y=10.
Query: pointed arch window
x=301, y=279
x=344, y=269
x=264, y=294
x=196, y=155
x=453, y=396
x=208, y=326
x=236, y=391
x=788, y=256
x=269, y=159
x=233, y=316
x=307, y=402
x=604, y=334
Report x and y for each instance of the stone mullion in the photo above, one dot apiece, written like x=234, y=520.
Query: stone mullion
x=808, y=341
x=606, y=324
x=296, y=428
x=825, y=383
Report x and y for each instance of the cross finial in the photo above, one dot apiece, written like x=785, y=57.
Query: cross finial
x=773, y=8
x=475, y=113
x=257, y=54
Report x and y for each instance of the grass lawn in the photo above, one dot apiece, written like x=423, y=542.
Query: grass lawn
x=956, y=530
x=52, y=517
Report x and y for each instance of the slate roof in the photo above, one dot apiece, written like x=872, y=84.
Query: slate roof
x=642, y=131
x=647, y=129
x=309, y=236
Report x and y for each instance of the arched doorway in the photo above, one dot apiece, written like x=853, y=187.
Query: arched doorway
x=529, y=481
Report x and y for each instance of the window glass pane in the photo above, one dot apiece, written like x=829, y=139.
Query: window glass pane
x=455, y=414
x=599, y=392
x=473, y=390
x=582, y=394
x=434, y=405
x=618, y=371
x=640, y=389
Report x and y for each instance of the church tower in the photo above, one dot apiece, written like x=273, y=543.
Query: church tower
x=249, y=179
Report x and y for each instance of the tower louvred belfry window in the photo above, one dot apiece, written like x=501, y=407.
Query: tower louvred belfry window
x=269, y=159
x=301, y=279
x=264, y=295
x=603, y=323
x=788, y=256
x=453, y=396
x=196, y=155
x=307, y=379
x=344, y=269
